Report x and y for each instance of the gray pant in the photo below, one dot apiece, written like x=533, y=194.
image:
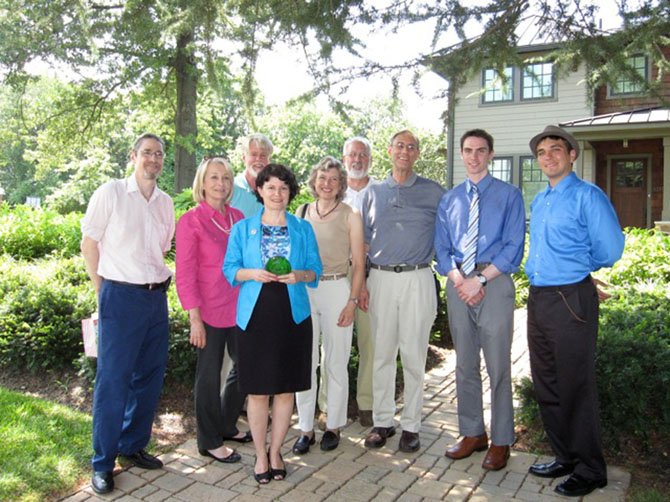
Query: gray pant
x=487, y=326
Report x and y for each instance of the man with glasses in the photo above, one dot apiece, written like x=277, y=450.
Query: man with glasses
x=399, y=221
x=127, y=230
x=256, y=154
x=479, y=235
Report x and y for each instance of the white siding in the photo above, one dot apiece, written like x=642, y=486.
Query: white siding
x=513, y=124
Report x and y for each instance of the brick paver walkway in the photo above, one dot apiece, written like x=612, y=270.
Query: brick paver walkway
x=353, y=473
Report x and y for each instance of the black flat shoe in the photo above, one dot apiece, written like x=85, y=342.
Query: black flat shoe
x=277, y=474
x=230, y=459
x=330, y=440
x=551, y=469
x=303, y=443
x=577, y=486
x=102, y=482
x=244, y=439
x=263, y=478
x=144, y=460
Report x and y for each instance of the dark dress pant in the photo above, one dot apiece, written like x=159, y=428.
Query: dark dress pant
x=216, y=413
x=562, y=333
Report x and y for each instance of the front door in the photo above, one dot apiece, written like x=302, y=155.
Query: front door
x=629, y=191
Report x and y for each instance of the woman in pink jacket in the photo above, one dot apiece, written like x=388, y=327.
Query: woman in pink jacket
x=202, y=240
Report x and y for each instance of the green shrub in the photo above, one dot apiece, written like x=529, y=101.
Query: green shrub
x=646, y=258
x=41, y=306
x=27, y=233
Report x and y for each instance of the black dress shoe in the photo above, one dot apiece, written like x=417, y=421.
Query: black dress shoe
x=303, y=443
x=330, y=440
x=409, y=442
x=144, y=460
x=551, y=469
x=244, y=439
x=378, y=435
x=577, y=486
x=102, y=482
x=230, y=459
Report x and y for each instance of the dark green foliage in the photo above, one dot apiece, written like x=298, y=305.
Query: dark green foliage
x=633, y=353
x=41, y=307
x=27, y=233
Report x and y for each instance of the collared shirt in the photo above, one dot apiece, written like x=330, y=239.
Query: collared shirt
x=399, y=220
x=574, y=231
x=132, y=233
x=201, y=246
x=244, y=198
x=502, y=225
x=355, y=197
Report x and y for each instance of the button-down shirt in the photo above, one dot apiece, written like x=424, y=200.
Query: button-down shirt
x=574, y=231
x=132, y=233
x=355, y=197
x=399, y=220
x=502, y=225
x=244, y=198
x=201, y=246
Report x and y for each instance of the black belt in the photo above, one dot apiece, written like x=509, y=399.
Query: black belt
x=478, y=266
x=399, y=268
x=150, y=286
x=562, y=287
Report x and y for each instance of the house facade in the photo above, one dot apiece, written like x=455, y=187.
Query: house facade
x=624, y=135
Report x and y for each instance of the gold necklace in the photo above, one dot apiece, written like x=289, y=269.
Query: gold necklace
x=322, y=216
x=230, y=224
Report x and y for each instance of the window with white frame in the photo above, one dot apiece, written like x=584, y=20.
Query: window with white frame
x=625, y=84
x=537, y=81
x=533, y=180
x=496, y=88
x=501, y=168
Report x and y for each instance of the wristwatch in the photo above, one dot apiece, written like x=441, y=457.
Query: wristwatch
x=482, y=279
x=354, y=301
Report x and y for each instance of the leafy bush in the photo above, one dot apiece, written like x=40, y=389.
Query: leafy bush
x=27, y=233
x=41, y=305
x=633, y=352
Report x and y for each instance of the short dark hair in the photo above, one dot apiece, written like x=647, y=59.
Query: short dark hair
x=565, y=142
x=478, y=133
x=147, y=135
x=280, y=172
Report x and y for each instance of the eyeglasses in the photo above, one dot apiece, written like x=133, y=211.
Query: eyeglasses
x=148, y=153
x=410, y=147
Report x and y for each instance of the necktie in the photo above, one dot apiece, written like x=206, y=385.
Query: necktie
x=470, y=250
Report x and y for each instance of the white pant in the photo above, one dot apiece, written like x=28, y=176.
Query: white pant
x=403, y=307
x=327, y=302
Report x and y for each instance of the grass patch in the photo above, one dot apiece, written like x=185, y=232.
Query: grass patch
x=45, y=450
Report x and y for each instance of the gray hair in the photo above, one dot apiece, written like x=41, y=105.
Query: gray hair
x=258, y=138
x=358, y=139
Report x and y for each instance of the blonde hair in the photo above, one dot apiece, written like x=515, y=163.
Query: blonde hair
x=199, y=179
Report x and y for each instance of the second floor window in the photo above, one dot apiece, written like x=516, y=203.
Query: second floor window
x=537, y=81
x=624, y=84
x=495, y=89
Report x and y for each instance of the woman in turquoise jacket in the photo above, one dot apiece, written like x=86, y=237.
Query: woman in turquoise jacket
x=273, y=312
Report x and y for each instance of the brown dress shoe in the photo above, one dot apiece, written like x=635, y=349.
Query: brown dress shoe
x=378, y=435
x=467, y=446
x=496, y=457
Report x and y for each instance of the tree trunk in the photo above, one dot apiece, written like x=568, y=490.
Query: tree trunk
x=186, y=128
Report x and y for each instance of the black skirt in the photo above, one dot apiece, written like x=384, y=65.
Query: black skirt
x=274, y=353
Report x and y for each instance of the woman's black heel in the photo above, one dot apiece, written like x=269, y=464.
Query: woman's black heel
x=264, y=477
x=277, y=474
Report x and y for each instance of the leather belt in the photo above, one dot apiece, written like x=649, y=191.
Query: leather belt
x=332, y=277
x=478, y=266
x=151, y=286
x=400, y=268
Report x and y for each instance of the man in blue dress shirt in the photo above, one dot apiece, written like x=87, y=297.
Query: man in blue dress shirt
x=480, y=296
x=573, y=231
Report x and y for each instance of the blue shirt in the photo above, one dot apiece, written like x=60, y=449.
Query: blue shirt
x=244, y=198
x=502, y=225
x=574, y=231
x=244, y=251
x=399, y=220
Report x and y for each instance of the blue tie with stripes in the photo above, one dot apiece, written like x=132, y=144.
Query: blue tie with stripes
x=470, y=250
